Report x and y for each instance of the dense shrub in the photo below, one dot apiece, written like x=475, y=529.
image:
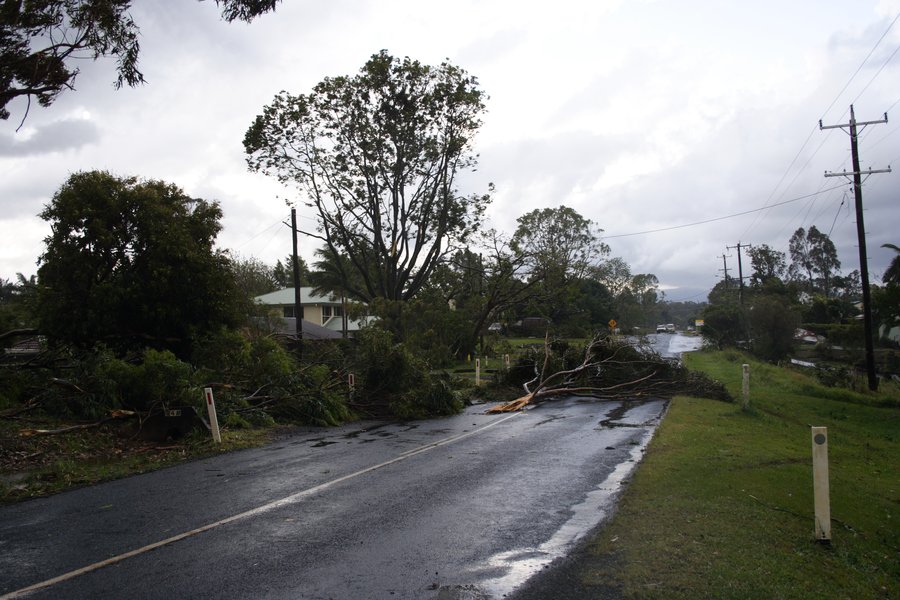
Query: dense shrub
x=723, y=325
x=848, y=335
x=318, y=397
x=772, y=326
x=835, y=376
x=392, y=379
x=256, y=382
x=266, y=381
x=159, y=379
x=15, y=387
x=434, y=397
x=90, y=384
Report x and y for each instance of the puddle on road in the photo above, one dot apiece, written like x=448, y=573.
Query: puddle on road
x=684, y=343
x=359, y=432
x=322, y=443
x=549, y=419
x=628, y=414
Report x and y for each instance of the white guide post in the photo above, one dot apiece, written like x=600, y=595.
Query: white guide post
x=477, y=371
x=506, y=361
x=820, y=484
x=213, y=419
x=745, y=389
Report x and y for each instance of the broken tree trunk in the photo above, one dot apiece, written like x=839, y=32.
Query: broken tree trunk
x=113, y=415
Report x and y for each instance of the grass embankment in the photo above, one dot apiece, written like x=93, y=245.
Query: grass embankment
x=41, y=465
x=722, y=505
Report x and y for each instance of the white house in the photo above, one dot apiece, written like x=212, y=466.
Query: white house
x=319, y=311
x=891, y=333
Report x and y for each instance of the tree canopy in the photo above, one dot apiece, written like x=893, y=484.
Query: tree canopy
x=15, y=303
x=561, y=243
x=767, y=264
x=613, y=273
x=892, y=274
x=283, y=272
x=253, y=277
x=814, y=259
x=377, y=156
x=558, y=247
x=131, y=264
x=41, y=41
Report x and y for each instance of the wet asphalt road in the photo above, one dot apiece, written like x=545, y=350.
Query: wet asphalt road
x=464, y=507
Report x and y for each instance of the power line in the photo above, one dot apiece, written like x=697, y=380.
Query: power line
x=256, y=235
x=703, y=293
x=789, y=223
x=837, y=213
x=861, y=65
x=885, y=136
x=833, y=102
x=877, y=73
x=746, y=212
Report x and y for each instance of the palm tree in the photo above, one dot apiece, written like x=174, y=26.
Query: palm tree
x=892, y=275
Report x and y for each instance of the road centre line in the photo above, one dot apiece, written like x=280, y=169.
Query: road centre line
x=248, y=513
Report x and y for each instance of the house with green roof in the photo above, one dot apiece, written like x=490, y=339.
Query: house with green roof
x=324, y=316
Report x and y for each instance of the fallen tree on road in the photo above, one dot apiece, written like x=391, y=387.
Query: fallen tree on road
x=607, y=369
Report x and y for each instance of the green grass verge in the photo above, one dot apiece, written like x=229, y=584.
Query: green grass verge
x=722, y=505
x=37, y=466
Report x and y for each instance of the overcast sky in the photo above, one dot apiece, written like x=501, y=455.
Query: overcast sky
x=641, y=115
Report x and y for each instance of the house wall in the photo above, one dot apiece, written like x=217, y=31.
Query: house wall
x=892, y=334
x=312, y=313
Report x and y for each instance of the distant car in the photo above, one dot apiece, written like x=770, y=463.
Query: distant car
x=661, y=329
x=495, y=328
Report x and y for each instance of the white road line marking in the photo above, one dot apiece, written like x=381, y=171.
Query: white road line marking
x=248, y=513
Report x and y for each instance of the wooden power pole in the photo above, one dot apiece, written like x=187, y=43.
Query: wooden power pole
x=298, y=306
x=740, y=270
x=724, y=269
x=853, y=129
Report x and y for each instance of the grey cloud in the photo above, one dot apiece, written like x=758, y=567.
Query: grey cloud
x=487, y=50
x=53, y=137
x=569, y=159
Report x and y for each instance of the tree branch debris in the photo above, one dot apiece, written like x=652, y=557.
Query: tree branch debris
x=609, y=369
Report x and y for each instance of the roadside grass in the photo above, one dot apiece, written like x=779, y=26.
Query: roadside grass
x=37, y=466
x=722, y=504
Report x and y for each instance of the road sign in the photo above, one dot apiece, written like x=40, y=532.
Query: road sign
x=612, y=323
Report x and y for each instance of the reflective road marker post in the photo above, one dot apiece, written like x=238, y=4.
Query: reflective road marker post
x=745, y=389
x=213, y=420
x=820, y=484
x=477, y=371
